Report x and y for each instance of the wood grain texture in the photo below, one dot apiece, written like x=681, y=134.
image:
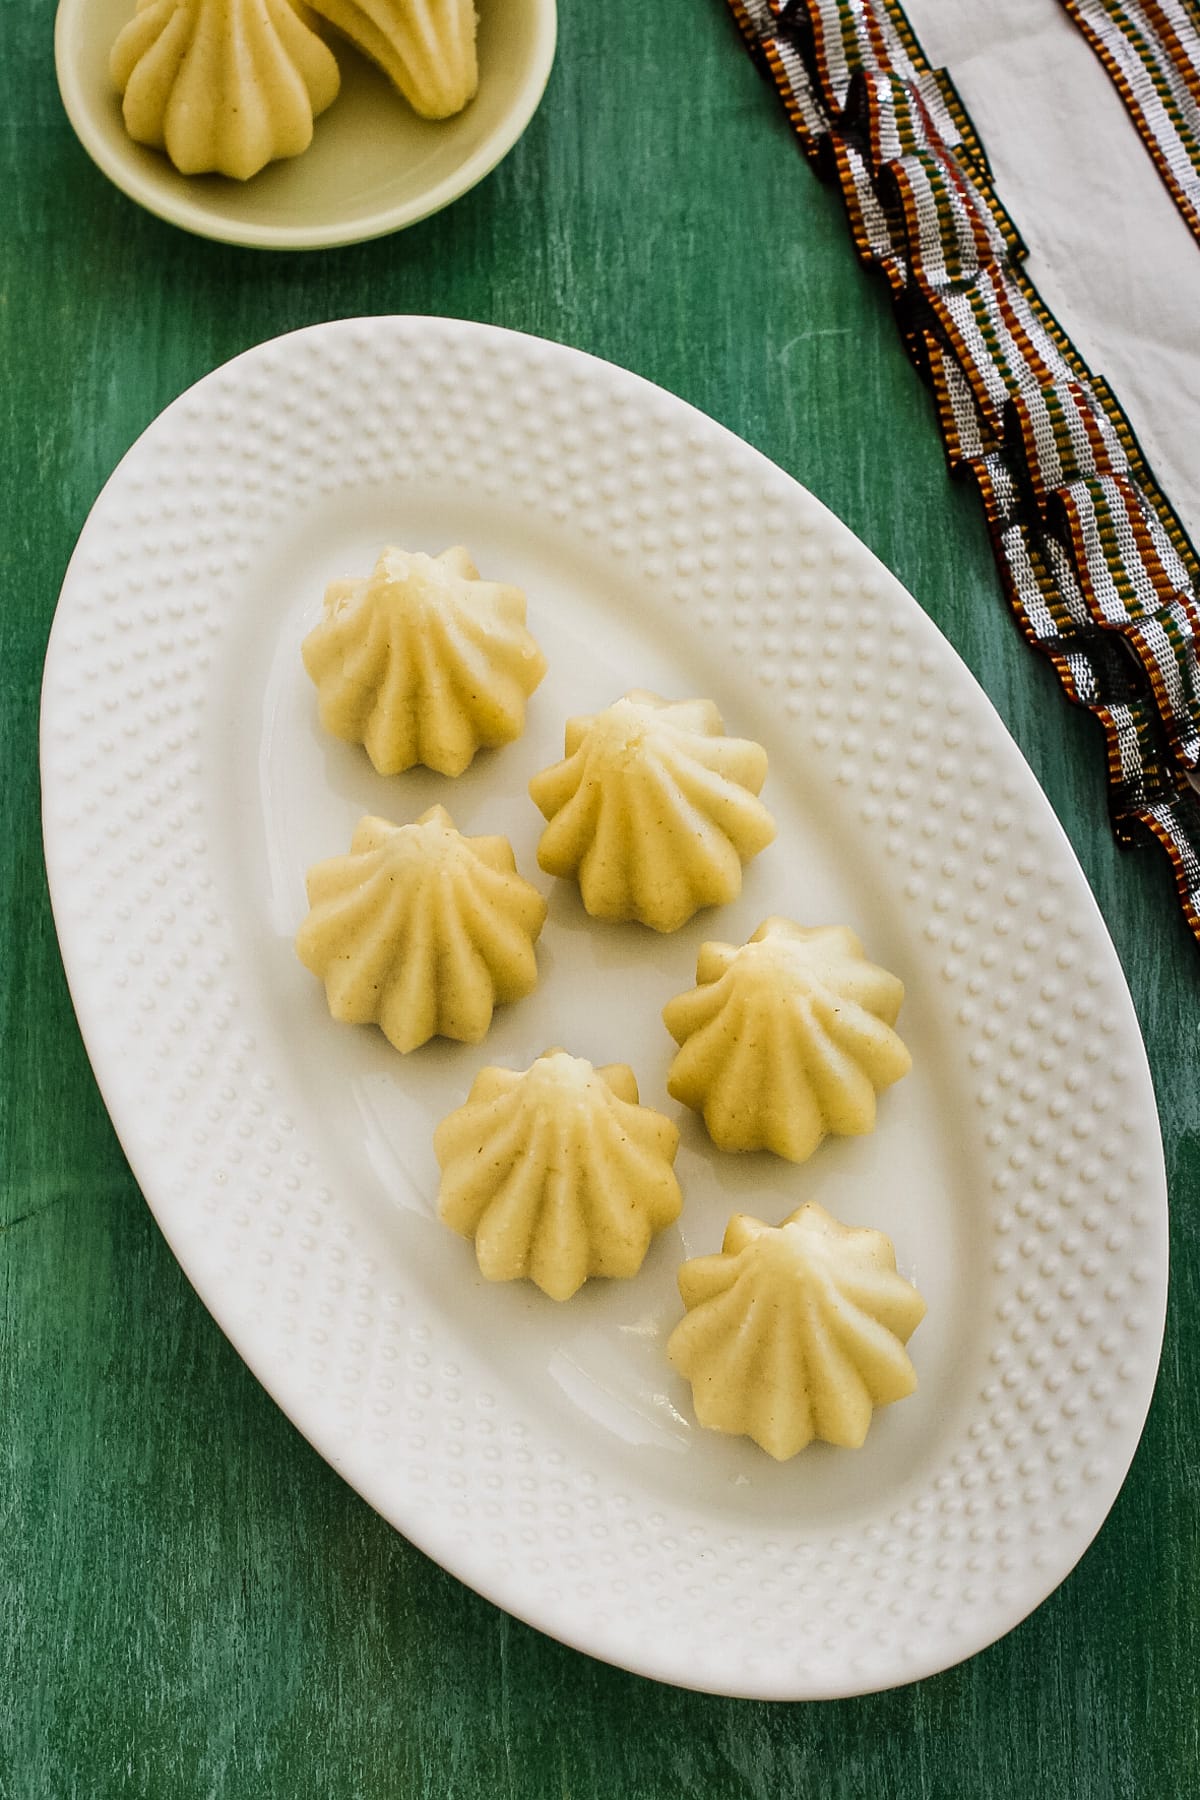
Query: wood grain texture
x=191, y=1603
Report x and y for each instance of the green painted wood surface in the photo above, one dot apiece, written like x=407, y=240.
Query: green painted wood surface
x=191, y=1603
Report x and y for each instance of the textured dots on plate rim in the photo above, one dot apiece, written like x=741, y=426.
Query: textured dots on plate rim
x=1026, y=978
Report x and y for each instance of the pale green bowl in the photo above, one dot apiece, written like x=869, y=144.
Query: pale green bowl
x=373, y=166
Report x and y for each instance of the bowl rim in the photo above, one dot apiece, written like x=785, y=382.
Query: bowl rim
x=147, y=191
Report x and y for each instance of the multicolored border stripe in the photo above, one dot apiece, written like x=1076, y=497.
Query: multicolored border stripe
x=1151, y=49
x=1099, y=571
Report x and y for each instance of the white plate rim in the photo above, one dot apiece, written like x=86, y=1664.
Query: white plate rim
x=488, y=341
x=161, y=201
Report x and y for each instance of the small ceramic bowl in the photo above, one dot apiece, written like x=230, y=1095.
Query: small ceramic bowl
x=373, y=165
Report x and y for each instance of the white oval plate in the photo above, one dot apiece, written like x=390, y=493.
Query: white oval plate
x=547, y=1454
x=373, y=165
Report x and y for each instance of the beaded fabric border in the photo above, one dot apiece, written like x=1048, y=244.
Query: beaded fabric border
x=1099, y=571
x=1151, y=49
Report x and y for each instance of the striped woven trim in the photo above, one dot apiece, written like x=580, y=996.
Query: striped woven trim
x=1098, y=570
x=1151, y=49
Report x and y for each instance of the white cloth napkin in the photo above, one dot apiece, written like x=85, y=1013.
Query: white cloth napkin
x=1108, y=252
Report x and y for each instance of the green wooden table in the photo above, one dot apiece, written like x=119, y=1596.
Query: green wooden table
x=192, y=1603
